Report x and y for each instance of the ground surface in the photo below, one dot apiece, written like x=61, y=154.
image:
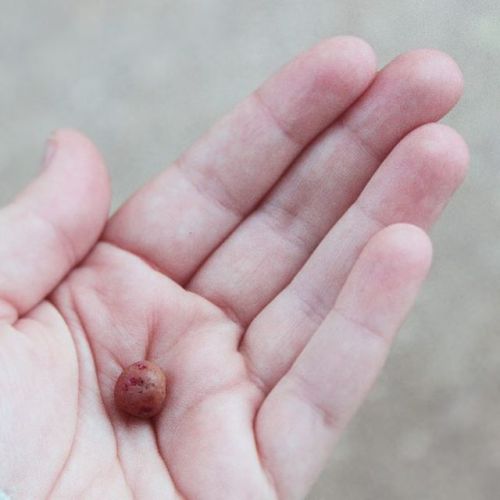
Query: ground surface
x=143, y=79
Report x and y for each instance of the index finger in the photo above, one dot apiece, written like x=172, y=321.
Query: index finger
x=180, y=217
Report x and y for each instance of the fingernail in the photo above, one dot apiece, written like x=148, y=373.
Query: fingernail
x=50, y=151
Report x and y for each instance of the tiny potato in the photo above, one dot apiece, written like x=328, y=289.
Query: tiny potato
x=141, y=389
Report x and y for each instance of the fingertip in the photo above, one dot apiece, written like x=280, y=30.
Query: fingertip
x=316, y=87
x=444, y=150
x=355, y=50
x=386, y=278
x=72, y=190
x=86, y=153
x=400, y=247
x=348, y=60
x=84, y=169
x=432, y=73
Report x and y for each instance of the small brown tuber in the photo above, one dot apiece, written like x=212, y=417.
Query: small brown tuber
x=140, y=389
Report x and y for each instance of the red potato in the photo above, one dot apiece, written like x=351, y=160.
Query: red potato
x=141, y=389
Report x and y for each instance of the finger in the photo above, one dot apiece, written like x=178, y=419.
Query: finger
x=304, y=414
x=178, y=219
x=52, y=224
x=268, y=249
x=413, y=185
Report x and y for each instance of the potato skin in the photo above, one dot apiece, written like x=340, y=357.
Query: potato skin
x=141, y=389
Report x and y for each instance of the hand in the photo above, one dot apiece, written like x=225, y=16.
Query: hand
x=266, y=271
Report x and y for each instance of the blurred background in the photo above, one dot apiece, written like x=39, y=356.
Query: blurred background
x=144, y=79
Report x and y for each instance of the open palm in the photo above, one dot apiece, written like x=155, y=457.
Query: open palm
x=257, y=271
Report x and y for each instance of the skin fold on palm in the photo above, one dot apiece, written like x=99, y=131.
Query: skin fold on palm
x=266, y=272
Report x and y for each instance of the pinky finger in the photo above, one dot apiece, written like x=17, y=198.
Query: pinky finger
x=302, y=417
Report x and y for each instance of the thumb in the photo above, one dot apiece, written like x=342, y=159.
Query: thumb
x=53, y=223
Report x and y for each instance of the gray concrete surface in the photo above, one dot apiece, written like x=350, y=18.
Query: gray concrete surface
x=145, y=78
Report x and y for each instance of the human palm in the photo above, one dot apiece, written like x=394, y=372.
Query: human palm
x=257, y=271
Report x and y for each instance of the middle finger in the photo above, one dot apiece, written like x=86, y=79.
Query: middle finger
x=267, y=250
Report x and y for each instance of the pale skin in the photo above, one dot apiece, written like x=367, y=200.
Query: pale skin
x=266, y=272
